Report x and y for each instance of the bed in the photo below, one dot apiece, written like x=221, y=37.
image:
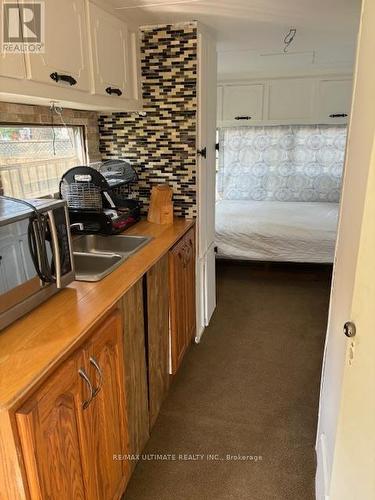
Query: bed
x=276, y=231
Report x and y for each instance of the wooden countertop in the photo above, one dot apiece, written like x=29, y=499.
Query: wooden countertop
x=33, y=345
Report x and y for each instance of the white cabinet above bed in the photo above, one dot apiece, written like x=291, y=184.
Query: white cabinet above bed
x=278, y=101
x=243, y=102
x=334, y=100
x=290, y=99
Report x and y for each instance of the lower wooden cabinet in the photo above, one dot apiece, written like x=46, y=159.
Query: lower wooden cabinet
x=100, y=403
x=136, y=369
x=72, y=427
x=105, y=433
x=157, y=334
x=50, y=425
x=182, y=297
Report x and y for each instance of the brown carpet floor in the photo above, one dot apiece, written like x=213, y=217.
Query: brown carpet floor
x=250, y=388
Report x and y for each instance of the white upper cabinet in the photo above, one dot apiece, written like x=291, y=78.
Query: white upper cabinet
x=290, y=99
x=111, y=54
x=334, y=99
x=11, y=65
x=65, y=61
x=308, y=100
x=90, y=60
x=243, y=103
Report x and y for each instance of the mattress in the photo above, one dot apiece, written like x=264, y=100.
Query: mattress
x=276, y=231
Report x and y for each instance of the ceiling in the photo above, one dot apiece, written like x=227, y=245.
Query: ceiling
x=250, y=33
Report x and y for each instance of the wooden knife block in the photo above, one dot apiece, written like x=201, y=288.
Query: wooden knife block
x=161, y=206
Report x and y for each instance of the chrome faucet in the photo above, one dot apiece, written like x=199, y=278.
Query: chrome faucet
x=77, y=225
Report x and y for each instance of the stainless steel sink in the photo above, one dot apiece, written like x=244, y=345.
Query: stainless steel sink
x=121, y=244
x=94, y=267
x=96, y=256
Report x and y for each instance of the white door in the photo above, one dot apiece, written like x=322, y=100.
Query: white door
x=345, y=436
x=206, y=165
x=353, y=473
x=110, y=52
x=11, y=65
x=66, y=56
x=243, y=102
x=210, y=283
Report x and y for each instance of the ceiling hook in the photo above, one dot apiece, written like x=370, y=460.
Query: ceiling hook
x=288, y=39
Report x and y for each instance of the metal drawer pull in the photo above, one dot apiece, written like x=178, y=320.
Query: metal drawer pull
x=85, y=377
x=57, y=77
x=112, y=90
x=94, y=362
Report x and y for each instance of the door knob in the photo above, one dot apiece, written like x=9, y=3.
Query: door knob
x=349, y=329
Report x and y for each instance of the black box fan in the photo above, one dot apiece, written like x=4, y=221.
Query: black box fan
x=93, y=205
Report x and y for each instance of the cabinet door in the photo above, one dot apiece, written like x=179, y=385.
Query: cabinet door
x=49, y=426
x=110, y=51
x=182, y=297
x=11, y=65
x=105, y=419
x=243, y=102
x=291, y=99
x=334, y=98
x=177, y=280
x=157, y=336
x=136, y=369
x=66, y=45
x=189, y=272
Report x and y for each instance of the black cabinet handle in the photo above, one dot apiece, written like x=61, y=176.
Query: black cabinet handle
x=242, y=117
x=111, y=90
x=338, y=115
x=202, y=152
x=57, y=77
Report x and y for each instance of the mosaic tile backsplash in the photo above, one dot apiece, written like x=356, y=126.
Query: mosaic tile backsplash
x=161, y=145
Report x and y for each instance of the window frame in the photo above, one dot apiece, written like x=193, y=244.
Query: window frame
x=82, y=142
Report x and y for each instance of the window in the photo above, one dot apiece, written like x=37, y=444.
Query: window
x=34, y=158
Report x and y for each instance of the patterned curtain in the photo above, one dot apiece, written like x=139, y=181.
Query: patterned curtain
x=281, y=163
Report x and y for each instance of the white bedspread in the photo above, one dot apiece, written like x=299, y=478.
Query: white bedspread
x=276, y=231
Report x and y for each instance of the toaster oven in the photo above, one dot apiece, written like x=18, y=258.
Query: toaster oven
x=36, y=258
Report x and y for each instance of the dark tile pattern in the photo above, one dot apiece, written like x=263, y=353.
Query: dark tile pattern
x=162, y=144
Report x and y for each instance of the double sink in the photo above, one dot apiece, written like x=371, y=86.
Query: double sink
x=96, y=256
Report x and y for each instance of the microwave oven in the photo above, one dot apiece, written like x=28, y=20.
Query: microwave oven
x=36, y=258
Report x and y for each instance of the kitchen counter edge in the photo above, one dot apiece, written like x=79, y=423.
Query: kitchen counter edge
x=34, y=345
